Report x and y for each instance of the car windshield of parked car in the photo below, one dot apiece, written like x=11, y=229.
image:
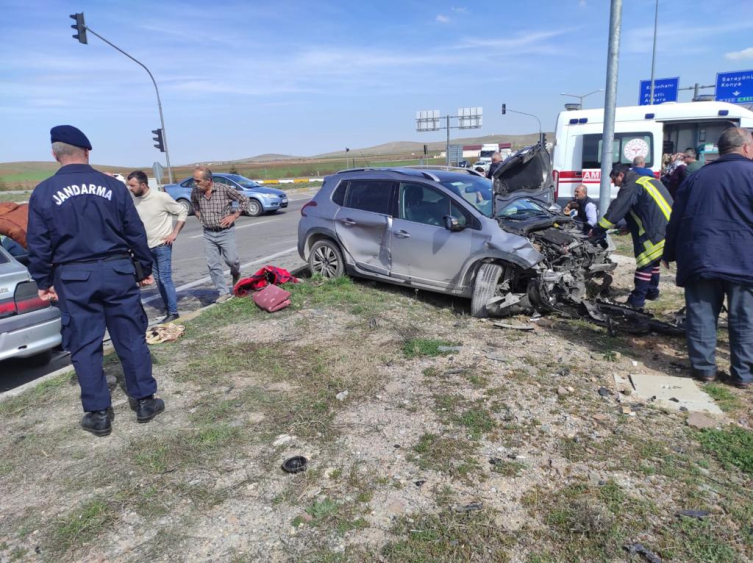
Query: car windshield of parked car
x=523, y=208
x=474, y=189
x=243, y=181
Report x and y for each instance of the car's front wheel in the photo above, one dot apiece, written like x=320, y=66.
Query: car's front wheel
x=326, y=259
x=185, y=204
x=484, y=288
x=254, y=208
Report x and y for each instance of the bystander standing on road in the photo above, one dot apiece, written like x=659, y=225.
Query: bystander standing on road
x=88, y=249
x=691, y=161
x=646, y=206
x=639, y=167
x=213, y=205
x=678, y=173
x=157, y=210
x=710, y=237
x=496, y=163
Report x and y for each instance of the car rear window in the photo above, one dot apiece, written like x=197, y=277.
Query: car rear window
x=369, y=195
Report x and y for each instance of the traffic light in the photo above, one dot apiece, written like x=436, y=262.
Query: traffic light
x=80, y=27
x=159, y=143
x=426, y=150
x=504, y=109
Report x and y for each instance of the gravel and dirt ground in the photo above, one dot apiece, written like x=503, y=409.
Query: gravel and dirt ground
x=431, y=436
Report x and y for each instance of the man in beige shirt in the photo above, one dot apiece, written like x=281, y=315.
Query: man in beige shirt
x=157, y=210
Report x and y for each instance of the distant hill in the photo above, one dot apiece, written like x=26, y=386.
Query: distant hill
x=408, y=147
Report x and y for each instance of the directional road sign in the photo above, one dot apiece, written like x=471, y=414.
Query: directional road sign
x=735, y=87
x=665, y=90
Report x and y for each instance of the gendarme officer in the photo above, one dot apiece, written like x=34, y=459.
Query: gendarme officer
x=83, y=232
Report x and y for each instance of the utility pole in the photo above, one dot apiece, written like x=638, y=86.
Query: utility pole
x=610, y=104
x=653, y=56
x=82, y=28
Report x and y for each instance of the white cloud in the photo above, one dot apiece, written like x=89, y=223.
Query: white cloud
x=459, y=9
x=740, y=55
x=582, y=3
x=442, y=18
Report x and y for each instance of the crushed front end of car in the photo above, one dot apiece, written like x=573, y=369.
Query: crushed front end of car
x=573, y=266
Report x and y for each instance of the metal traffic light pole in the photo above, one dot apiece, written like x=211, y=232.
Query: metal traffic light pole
x=82, y=26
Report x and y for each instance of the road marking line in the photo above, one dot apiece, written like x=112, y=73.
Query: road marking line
x=202, y=281
x=242, y=226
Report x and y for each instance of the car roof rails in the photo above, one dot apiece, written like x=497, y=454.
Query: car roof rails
x=400, y=170
x=470, y=171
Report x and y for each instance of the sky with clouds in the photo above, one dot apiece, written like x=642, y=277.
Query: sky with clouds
x=239, y=78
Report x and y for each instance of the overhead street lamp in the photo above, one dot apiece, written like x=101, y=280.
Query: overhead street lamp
x=161, y=139
x=582, y=96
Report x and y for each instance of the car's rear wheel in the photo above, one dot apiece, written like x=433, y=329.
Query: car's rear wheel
x=254, y=208
x=39, y=360
x=484, y=288
x=185, y=204
x=326, y=259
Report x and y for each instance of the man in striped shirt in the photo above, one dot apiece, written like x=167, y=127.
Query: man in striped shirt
x=213, y=206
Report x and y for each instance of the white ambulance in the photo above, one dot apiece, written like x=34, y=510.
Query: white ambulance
x=648, y=131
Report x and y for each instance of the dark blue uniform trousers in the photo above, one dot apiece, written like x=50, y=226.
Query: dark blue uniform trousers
x=704, y=300
x=94, y=296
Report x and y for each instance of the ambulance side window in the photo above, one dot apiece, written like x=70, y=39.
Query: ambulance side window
x=626, y=147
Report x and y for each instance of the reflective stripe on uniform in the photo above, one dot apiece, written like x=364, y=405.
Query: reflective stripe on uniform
x=666, y=209
x=605, y=223
x=638, y=221
x=652, y=252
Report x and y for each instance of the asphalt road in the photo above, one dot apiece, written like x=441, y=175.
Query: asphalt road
x=264, y=240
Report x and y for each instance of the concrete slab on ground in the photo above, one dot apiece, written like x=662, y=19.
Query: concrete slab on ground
x=673, y=393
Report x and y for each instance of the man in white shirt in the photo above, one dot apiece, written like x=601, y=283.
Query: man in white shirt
x=157, y=210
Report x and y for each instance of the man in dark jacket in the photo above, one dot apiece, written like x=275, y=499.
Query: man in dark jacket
x=710, y=237
x=496, y=163
x=646, y=205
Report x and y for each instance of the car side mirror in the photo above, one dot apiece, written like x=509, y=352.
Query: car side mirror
x=452, y=224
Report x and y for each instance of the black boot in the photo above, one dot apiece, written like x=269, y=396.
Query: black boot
x=98, y=422
x=146, y=408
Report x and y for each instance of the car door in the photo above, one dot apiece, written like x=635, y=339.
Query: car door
x=422, y=249
x=362, y=223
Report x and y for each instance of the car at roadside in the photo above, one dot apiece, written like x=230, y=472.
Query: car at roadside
x=29, y=326
x=501, y=242
x=261, y=198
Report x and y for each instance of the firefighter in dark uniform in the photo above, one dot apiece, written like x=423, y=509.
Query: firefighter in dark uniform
x=646, y=205
x=88, y=250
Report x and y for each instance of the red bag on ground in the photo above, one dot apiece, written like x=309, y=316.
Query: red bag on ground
x=268, y=275
x=272, y=298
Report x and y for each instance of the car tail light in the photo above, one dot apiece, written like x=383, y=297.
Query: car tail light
x=7, y=308
x=27, y=299
x=556, y=178
x=309, y=204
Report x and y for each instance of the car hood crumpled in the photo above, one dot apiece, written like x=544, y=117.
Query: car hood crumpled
x=527, y=172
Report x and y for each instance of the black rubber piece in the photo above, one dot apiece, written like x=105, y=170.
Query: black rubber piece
x=295, y=464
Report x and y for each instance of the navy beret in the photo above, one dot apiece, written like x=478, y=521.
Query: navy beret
x=70, y=135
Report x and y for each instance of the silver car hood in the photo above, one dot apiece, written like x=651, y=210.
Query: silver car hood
x=528, y=172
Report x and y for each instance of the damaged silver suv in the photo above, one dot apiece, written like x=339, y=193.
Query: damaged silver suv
x=499, y=242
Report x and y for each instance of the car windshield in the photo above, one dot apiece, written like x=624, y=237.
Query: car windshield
x=523, y=208
x=474, y=189
x=243, y=181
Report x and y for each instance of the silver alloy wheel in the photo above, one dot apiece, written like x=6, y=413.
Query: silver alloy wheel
x=325, y=261
x=185, y=204
x=254, y=208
